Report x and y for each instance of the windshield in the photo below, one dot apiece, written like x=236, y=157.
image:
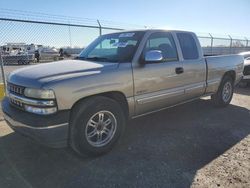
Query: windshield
x=116, y=47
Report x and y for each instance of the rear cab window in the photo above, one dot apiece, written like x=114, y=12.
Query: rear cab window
x=188, y=46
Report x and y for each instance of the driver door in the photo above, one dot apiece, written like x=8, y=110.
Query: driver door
x=160, y=84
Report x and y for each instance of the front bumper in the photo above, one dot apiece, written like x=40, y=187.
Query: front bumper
x=246, y=78
x=50, y=130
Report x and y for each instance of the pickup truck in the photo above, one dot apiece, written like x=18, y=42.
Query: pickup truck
x=85, y=103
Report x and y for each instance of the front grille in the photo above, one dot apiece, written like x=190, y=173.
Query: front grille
x=246, y=70
x=16, y=103
x=15, y=89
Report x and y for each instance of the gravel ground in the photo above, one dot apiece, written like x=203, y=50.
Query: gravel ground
x=193, y=145
x=231, y=169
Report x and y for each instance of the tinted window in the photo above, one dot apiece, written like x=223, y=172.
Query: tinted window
x=163, y=42
x=188, y=46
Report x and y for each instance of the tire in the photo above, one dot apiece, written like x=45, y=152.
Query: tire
x=84, y=133
x=224, y=94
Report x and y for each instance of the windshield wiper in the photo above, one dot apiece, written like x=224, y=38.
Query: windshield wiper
x=97, y=58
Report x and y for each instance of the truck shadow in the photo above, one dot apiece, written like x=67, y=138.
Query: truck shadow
x=243, y=91
x=165, y=149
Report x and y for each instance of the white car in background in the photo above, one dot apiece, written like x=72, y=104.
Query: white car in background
x=49, y=54
x=246, y=55
x=246, y=71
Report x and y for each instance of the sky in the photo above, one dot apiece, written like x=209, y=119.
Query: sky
x=203, y=16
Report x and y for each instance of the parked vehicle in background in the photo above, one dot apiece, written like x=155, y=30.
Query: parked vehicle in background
x=49, y=54
x=85, y=103
x=19, y=58
x=16, y=53
x=246, y=72
x=22, y=53
x=246, y=55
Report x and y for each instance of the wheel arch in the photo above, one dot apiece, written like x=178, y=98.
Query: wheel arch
x=230, y=73
x=118, y=96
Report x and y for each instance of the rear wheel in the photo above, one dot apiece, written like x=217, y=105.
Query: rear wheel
x=224, y=94
x=96, y=125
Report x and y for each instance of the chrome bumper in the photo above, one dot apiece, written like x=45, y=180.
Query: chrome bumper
x=21, y=125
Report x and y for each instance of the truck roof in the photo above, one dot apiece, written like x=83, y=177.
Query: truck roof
x=146, y=30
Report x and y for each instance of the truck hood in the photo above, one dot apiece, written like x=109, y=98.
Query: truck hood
x=37, y=75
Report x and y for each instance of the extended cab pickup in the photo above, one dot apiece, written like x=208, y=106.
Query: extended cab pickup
x=84, y=103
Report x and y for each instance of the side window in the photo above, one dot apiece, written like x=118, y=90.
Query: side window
x=188, y=46
x=163, y=42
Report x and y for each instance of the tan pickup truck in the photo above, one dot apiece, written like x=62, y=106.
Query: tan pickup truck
x=84, y=103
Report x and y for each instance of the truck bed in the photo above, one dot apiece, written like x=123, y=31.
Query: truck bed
x=218, y=65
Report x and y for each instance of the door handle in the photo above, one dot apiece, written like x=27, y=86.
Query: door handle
x=179, y=70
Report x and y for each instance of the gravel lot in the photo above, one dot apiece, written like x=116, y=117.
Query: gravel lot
x=190, y=145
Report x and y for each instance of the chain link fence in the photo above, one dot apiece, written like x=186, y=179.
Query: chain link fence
x=220, y=45
x=30, y=38
x=26, y=41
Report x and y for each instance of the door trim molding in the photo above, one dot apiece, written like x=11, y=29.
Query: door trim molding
x=160, y=96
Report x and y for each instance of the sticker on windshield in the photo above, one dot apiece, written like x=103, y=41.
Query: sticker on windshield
x=124, y=35
x=120, y=44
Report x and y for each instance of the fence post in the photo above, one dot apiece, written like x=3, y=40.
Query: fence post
x=231, y=43
x=246, y=42
x=2, y=70
x=212, y=41
x=100, y=27
x=70, y=40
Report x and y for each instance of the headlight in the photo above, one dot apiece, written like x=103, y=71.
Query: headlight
x=39, y=93
x=42, y=106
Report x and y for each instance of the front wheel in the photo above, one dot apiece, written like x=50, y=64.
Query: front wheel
x=224, y=94
x=96, y=125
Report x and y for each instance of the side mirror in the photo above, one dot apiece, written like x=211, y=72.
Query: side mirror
x=153, y=56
